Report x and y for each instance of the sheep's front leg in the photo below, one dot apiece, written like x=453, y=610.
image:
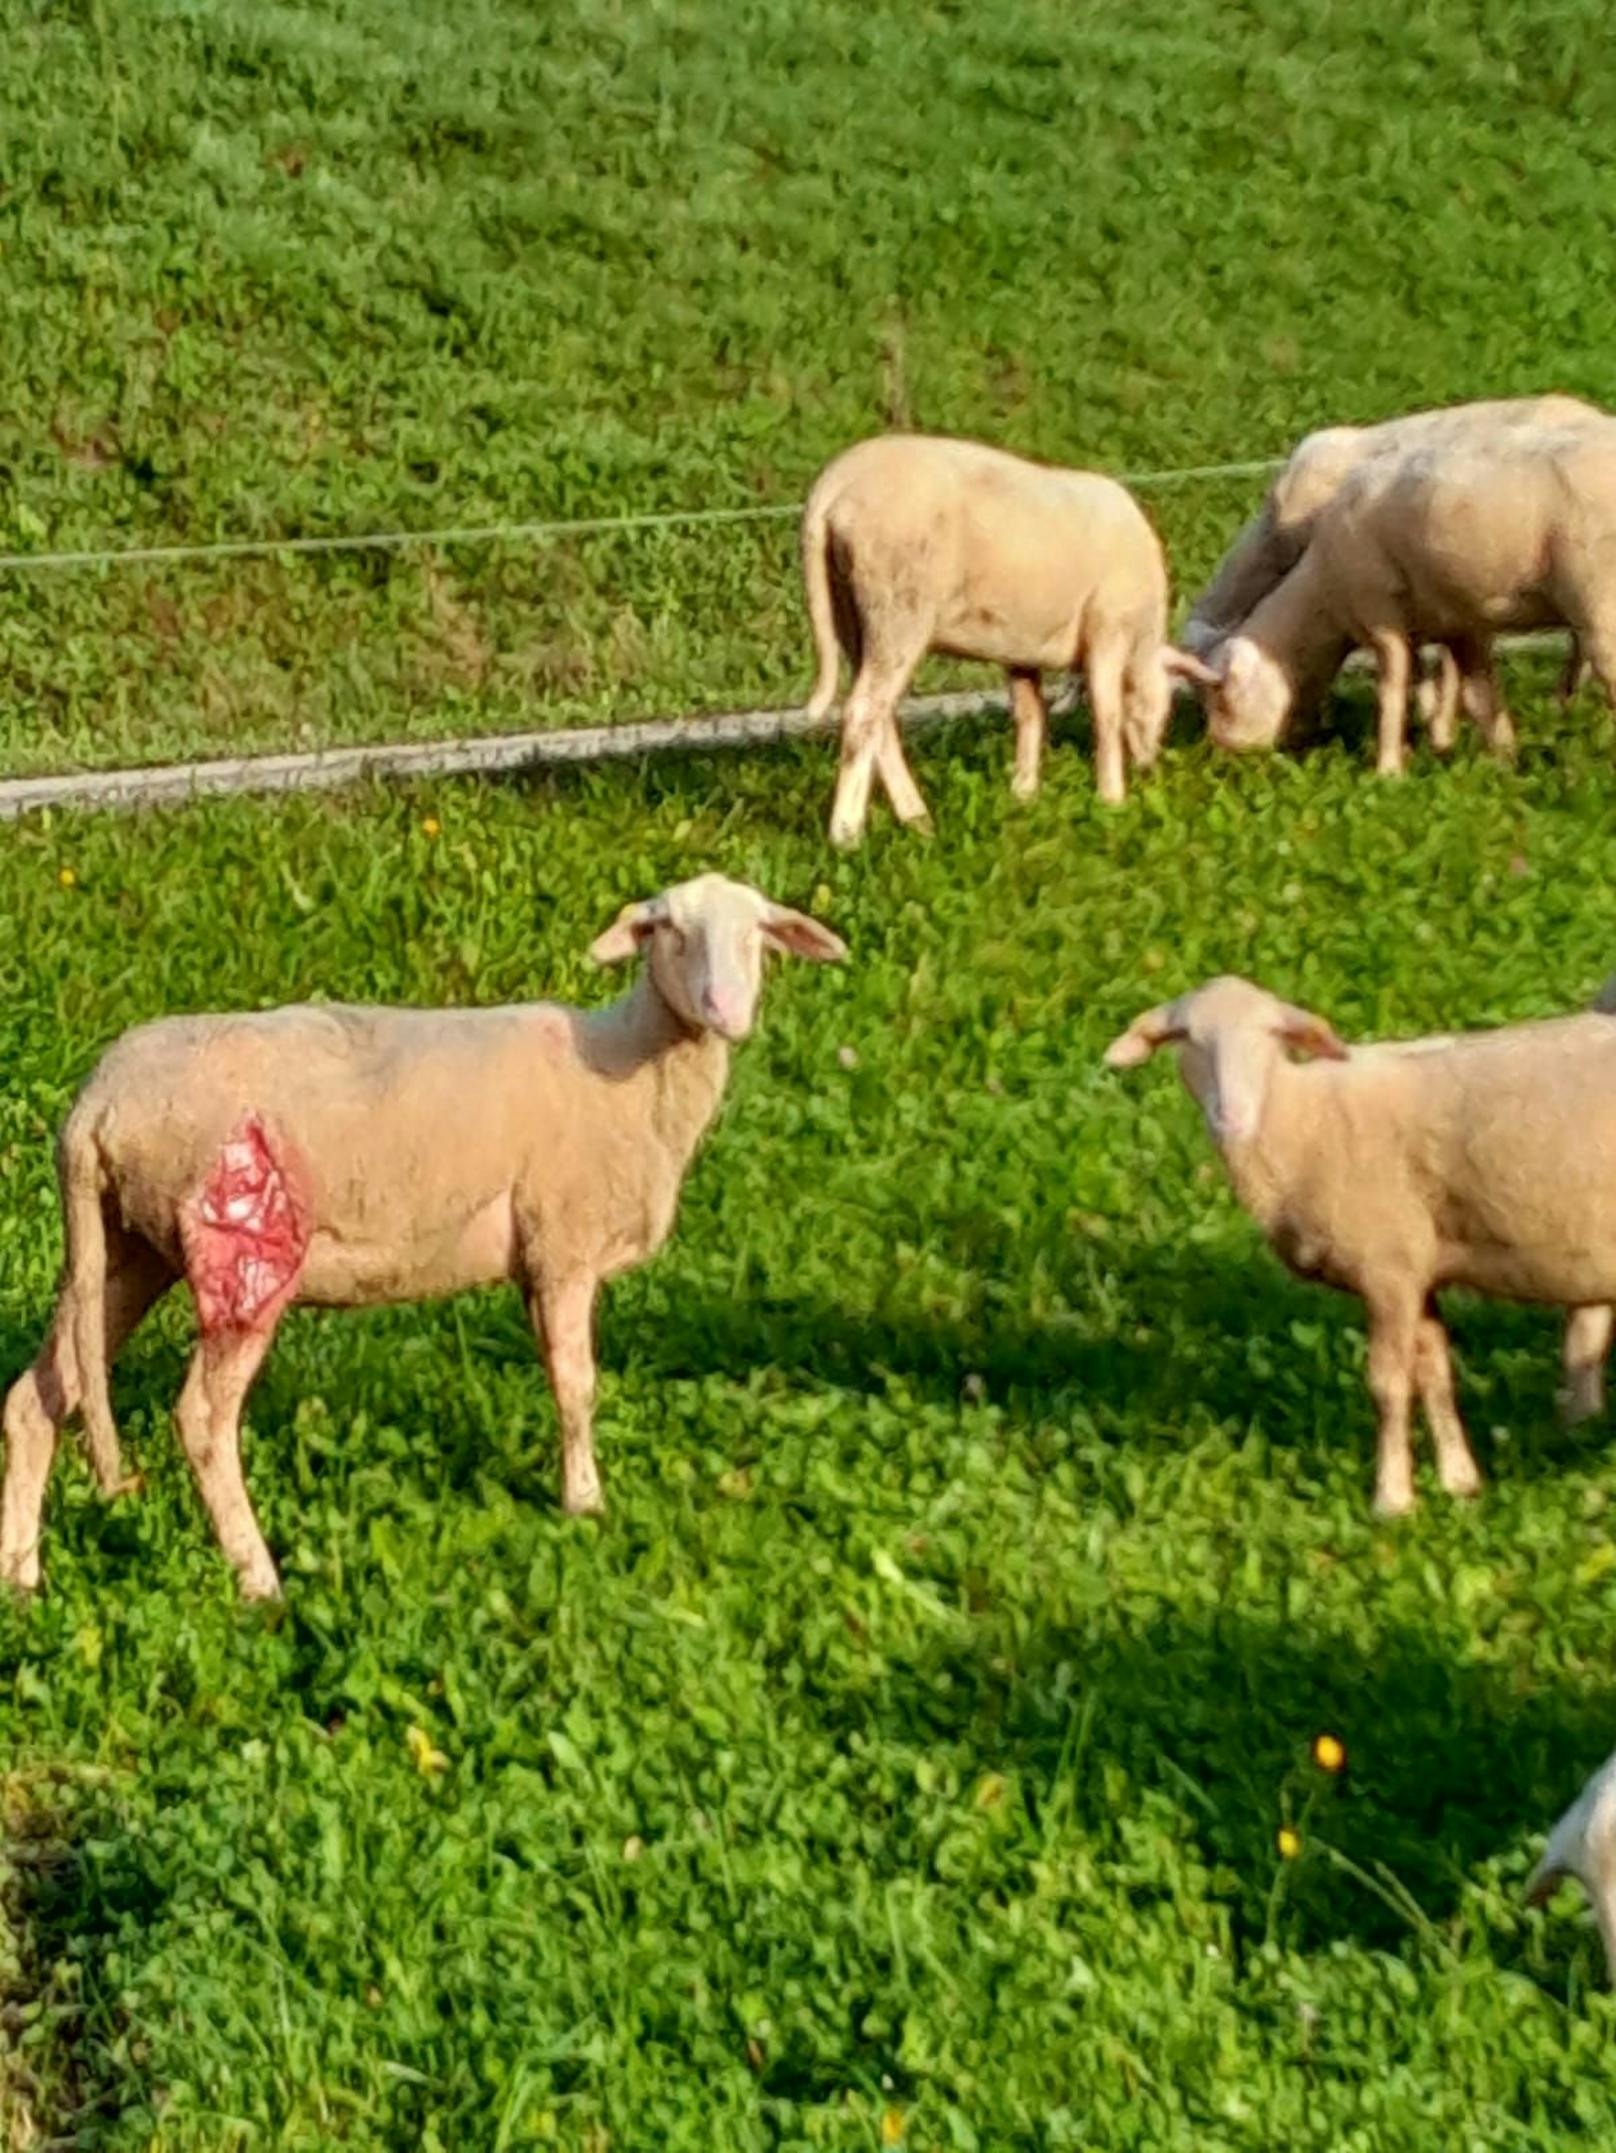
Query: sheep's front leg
x=1027, y=708
x=1393, y=1334
x=1433, y=1369
x=563, y=1313
x=209, y=1420
x=1582, y=1362
x=1392, y=656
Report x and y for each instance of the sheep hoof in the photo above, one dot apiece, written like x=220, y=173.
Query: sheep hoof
x=260, y=1585
x=21, y=1572
x=1578, y=1404
x=127, y=1484
x=1464, y=1484
x=1024, y=788
x=921, y=824
x=1393, y=1502
x=844, y=838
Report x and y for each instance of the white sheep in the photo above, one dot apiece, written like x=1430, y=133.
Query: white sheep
x=347, y=1156
x=1456, y=543
x=1271, y=544
x=913, y=544
x=1483, y=1159
x=1583, y=1845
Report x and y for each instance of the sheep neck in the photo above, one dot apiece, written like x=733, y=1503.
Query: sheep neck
x=1296, y=625
x=674, y=1070
x=1260, y=1168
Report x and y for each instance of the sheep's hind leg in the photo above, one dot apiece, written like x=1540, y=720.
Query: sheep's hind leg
x=42, y=1399
x=209, y=1419
x=892, y=767
x=1582, y=1362
x=870, y=709
x=1433, y=1372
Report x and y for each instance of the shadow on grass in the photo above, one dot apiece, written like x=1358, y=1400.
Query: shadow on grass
x=1237, y=1340
x=1200, y=1734
x=70, y=1886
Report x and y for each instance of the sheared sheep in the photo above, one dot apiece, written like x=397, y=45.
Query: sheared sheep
x=347, y=1156
x=913, y=543
x=1455, y=543
x=1393, y=1170
x=1275, y=539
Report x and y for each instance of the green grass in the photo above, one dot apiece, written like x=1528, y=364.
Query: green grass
x=989, y=1528
x=333, y=267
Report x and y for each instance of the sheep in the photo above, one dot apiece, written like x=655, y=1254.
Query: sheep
x=1393, y=1170
x=913, y=543
x=1583, y=1845
x=345, y=1156
x=1456, y=542
x=1275, y=539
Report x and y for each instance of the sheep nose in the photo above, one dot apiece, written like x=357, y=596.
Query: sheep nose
x=721, y=1008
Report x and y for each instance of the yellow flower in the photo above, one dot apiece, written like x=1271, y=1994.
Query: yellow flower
x=430, y=826
x=423, y=1755
x=1288, y=1842
x=892, y=2127
x=67, y=878
x=1329, y=1753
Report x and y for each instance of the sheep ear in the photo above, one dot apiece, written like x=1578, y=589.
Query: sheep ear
x=1185, y=665
x=1310, y=1035
x=801, y=936
x=628, y=931
x=1159, y=1027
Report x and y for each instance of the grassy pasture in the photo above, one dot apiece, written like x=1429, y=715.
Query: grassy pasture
x=902, y=1762
x=989, y=1532
x=333, y=267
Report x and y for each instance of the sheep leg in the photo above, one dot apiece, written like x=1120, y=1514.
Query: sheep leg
x=1104, y=668
x=1392, y=655
x=892, y=767
x=1393, y=1335
x=1433, y=1372
x=563, y=1317
x=40, y=1401
x=209, y=1420
x=1575, y=671
x=870, y=707
x=1582, y=1362
x=1027, y=708
x=1483, y=699
x=1437, y=699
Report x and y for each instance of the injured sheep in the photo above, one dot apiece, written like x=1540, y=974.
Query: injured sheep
x=346, y=1156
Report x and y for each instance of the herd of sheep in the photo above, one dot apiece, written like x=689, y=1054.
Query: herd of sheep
x=299, y=1155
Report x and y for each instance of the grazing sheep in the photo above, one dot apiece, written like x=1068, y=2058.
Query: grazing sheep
x=1275, y=539
x=1393, y=1170
x=1454, y=543
x=1583, y=1845
x=346, y=1156
x=912, y=544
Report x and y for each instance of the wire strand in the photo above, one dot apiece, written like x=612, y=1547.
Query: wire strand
x=478, y=534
